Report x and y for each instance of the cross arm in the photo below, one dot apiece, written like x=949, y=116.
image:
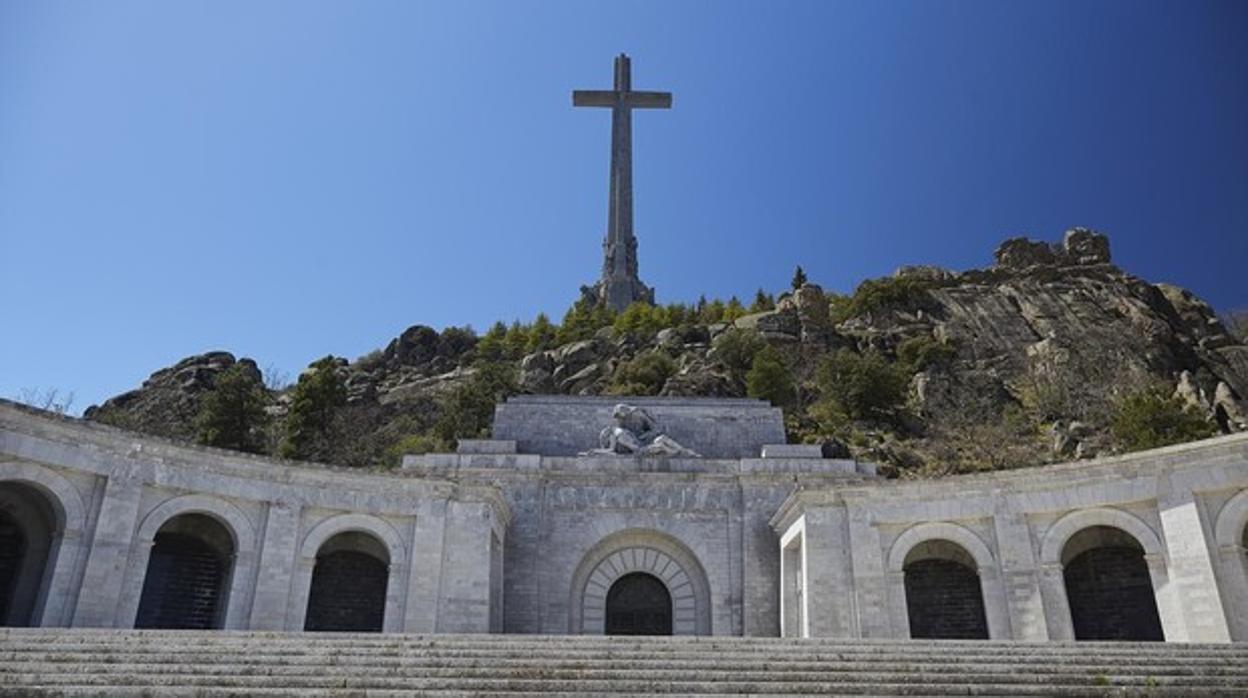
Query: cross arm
x=650, y=100
x=593, y=98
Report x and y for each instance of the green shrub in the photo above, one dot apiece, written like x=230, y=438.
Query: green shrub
x=769, y=379
x=412, y=444
x=1152, y=418
x=735, y=349
x=645, y=374
x=923, y=352
x=862, y=386
x=877, y=294
x=466, y=411
x=640, y=319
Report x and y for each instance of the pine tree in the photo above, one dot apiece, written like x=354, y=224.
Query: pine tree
x=541, y=334
x=232, y=415
x=316, y=400
x=516, y=339
x=492, y=347
x=762, y=302
x=799, y=278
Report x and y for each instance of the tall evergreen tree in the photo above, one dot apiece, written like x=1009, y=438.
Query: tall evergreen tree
x=315, y=403
x=762, y=302
x=799, y=277
x=232, y=415
x=541, y=334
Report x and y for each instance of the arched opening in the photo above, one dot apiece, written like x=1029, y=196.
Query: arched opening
x=187, y=575
x=944, y=599
x=1108, y=586
x=348, y=592
x=28, y=534
x=639, y=604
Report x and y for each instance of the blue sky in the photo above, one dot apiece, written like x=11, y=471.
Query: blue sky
x=289, y=179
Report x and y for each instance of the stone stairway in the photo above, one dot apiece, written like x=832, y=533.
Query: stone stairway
x=61, y=662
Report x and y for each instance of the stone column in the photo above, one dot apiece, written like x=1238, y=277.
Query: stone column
x=301, y=587
x=1056, y=604
x=278, y=547
x=830, y=574
x=100, y=592
x=396, y=595
x=996, y=611
x=1198, y=615
x=793, y=582
x=1169, y=605
x=1019, y=578
x=132, y=589
x=464, y=601
x=60, y=589
x=898, y=609
x=425, y=575
x=870, y=585
x=1233, y=559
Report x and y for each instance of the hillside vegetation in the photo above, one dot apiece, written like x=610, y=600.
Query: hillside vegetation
x=1053, y=353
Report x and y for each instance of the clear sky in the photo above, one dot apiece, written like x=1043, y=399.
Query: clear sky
x=285, y=180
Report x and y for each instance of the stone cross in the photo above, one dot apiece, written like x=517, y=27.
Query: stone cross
x=620, y=284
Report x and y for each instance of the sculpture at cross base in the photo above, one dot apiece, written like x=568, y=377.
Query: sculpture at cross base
x=637, y=433
x=620, y=285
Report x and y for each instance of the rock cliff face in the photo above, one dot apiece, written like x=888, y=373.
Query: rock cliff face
x=1040, y=347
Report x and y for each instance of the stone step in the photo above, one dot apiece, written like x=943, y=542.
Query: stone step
x=283, y=676
x=225, y=663
x=592, y=685
x=880, y=691
x=109, y=662
x=981, y=653
x=508, y=643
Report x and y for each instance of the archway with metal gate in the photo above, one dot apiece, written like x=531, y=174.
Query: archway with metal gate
x=639, y=604
x=348, y=590
x=944, y=599
x=1109, y=587
x=188, y=574
x=28, y=533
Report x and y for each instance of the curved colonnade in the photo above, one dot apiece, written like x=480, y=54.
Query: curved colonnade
x=104, y=528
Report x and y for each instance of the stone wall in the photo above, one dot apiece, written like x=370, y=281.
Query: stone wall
x=514, y=542
x=1184, y=509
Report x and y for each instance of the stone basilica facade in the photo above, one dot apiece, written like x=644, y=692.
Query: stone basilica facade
x=576, y=520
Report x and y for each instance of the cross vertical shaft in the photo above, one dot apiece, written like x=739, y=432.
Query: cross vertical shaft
x=620, y=284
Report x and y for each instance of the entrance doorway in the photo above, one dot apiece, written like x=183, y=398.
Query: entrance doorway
x=639, y=604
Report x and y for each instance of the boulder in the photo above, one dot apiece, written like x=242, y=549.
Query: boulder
x=416, y=345
x=1021, y=253
x=1085, y=247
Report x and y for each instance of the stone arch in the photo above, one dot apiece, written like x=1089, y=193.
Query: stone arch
x=65, y=555
x=1056, y=553
x=1232, y=521
x=239, y=576
x=648, y=551
x=346, y=523
x=64, y=496
x=321, y=533
x=1055, y=538
x=924, y=532
x=968, y=566
x=1230, y=535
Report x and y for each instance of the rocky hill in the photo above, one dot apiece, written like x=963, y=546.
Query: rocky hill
x=1022, y=363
